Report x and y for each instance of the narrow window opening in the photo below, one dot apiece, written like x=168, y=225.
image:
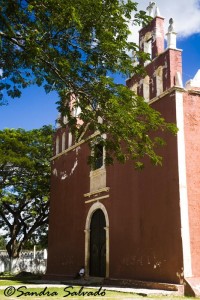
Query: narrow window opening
x=148, y=46
x=98, y=156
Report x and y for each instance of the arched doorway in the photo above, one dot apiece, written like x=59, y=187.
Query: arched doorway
x=88, y=245
x=98, y=244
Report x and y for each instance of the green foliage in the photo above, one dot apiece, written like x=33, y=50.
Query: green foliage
x=24, y=184
x=67, y=46
x=39, y=238
x=73, y=47
x=2, y=243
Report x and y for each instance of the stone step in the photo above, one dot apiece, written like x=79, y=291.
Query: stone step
x=145, y=284
x=96, y=281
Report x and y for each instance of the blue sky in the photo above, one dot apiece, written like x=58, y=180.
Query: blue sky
x=190, y=55
x=35, y=109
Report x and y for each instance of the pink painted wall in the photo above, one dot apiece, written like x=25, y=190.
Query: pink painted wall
x=192, y=139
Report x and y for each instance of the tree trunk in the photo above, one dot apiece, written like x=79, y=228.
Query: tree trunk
x=10, y=265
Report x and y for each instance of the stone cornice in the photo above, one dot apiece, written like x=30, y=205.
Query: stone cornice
x=75, y=145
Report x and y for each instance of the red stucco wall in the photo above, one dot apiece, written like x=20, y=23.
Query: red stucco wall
x=143, y=211
x=145, y=217
x=67, y=213
x=143, y=206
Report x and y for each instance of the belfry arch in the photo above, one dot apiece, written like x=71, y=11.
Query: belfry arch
x=94, y=208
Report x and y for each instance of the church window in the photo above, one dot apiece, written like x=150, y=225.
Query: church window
x=98, y=170
x=148, y=46
x=98, y=156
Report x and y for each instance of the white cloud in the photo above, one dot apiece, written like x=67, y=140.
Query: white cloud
x=186, y=15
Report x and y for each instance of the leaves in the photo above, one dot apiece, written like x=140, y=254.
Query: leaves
x=73, y=48
x=24, y=183
x=67, y=46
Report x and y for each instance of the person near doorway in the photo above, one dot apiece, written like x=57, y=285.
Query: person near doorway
x=80, y=274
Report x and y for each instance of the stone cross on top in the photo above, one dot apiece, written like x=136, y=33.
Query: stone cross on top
x=151, y=7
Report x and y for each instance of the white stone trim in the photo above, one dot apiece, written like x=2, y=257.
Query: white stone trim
x=63, y=141
x=57, y=144
x=185, y=230
x=97, y=199
x=69, y=139
x=166, y=92
x=159, y=80
x=106, y=189
x=92, y=209
x=75, y=145
x=171, y=40
x=146, y=88
x=97, y=179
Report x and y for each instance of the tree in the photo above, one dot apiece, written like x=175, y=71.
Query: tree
x=24, y=185
x=74, y=48
x=2, y=243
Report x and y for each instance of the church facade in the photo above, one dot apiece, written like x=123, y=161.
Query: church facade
x=126, y=224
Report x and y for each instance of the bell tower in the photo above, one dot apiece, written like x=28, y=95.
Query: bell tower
x=164, y=67
x=151, y=37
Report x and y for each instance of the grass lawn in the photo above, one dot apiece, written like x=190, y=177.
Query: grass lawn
x=17, y=288
x=17, y=279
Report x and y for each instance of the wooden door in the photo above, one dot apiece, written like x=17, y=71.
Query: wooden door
x=98, y=244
